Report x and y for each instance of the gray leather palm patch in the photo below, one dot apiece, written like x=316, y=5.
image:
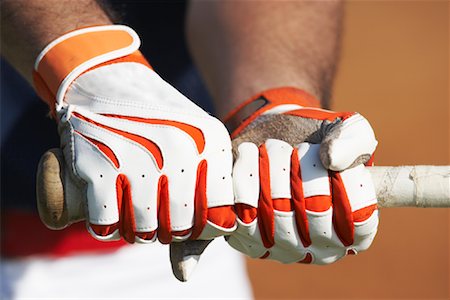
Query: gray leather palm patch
x=295, y=130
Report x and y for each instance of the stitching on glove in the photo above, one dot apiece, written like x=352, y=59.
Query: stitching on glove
x=138, y=104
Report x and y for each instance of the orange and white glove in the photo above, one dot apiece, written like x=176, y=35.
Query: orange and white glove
x=302, y=193
x=148, y=162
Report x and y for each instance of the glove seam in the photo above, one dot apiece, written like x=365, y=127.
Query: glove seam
x=133, y=103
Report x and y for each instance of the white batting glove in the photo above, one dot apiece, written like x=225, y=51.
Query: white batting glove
x=149, y=163
x=302, y=193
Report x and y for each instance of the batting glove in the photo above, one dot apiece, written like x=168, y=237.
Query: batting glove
x=302, y=193
x=148, y=162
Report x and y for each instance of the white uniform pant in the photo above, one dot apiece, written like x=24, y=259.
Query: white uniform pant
x=135, y=271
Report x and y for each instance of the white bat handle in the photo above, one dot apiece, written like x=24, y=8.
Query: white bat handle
x=412, y=186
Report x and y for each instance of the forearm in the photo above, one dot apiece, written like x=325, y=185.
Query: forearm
x=29, y=25
x=245, y=47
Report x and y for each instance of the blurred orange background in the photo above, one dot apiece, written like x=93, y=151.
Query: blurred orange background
x=394, y=69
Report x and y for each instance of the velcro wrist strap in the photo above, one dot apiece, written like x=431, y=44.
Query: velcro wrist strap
x=273, y=101
x=72, y=54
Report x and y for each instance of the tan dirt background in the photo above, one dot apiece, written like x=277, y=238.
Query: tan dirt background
x=394, y=69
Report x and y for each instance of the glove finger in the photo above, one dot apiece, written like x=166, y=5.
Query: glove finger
x=324, y=245
x=353, y=196
x=288, y=246
x=157, y=148
x=247, y=239
x=288, y=255
x=176, y=188
x=315, y=187
x=101, y=177
x=279, y=155
x=274, y=178
x=218, y=188
x=360, y=192
x=347, y=143
x=362, y=197
x=326, y=255
x=210, y=220
x=183, y=174
x=138, y=176
x=345, y=223
x=200, y=201
x=246, y=186
x=137, y=194
x=144, y=188
x=246, y=182
x=365, y=232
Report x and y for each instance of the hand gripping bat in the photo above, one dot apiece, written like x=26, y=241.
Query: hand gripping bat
x=59, y=204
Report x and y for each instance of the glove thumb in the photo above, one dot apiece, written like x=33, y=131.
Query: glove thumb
x=347, y=143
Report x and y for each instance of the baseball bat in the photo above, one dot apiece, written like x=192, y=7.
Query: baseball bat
x=59, y=202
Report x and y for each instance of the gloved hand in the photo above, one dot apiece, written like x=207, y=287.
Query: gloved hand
x=147, y=162
x=302, y=193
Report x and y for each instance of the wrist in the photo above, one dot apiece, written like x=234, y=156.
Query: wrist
x=29, y=25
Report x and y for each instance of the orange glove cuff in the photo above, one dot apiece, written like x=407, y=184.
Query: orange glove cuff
x=248, y=111
x=78, y=51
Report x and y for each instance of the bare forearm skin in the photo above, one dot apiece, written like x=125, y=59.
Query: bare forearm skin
x=245, y=47
x=29, y=25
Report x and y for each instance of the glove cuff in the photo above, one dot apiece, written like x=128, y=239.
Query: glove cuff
x=273, y=101
x=78, y=51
